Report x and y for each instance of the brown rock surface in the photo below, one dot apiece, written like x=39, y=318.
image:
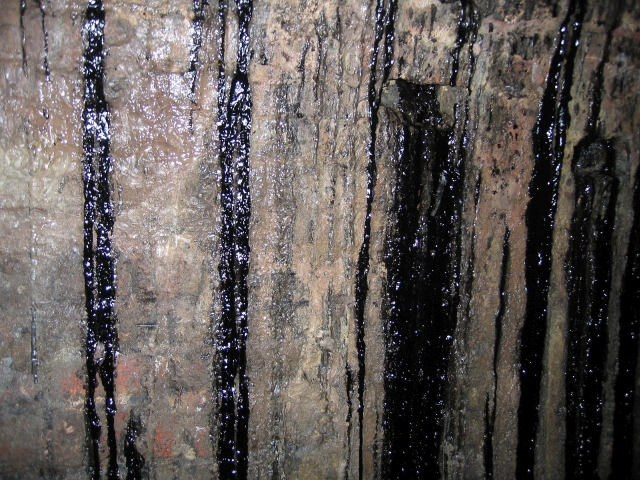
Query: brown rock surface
x=310, y=70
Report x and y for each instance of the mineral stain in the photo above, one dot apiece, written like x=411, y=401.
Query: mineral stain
x=234, y=129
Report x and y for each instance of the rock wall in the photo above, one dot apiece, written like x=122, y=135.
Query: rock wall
x=387, y=239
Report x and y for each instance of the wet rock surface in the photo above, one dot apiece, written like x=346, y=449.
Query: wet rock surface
x=387, y=239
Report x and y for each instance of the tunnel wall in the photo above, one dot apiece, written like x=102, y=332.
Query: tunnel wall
x=384, y=239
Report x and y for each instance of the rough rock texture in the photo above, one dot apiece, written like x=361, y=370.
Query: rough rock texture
x=394, y=306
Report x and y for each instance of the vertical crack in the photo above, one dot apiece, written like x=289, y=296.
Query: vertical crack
x=32, y=260
x=234, y=129
x=487, y=444
x=548, y=146
x=99, y=264
x=34, y=344
x=32, y=281
x=197, y=24
x=384, y=32
x=45, y=34
x=23, y=38
x=490, y=413
x=281, y=311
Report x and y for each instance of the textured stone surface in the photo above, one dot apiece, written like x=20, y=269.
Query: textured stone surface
x=309, y=72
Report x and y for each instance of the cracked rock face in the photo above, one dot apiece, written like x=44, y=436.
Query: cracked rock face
x=290, y=239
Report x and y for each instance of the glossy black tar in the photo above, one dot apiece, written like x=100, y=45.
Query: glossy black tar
x=622, y=466
x=349, y=385
x=423, y=268
x=588, y=271
x=589, y=285
x=548, y=146
x=99, y=263
x=467, y=32
x=133, y=458
x=234, y=129
x=384, y=35
x=422, y=289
